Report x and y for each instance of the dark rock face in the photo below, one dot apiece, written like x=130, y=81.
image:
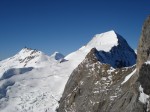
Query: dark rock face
x=144, y=82
x=143, y=51
x=144, y=78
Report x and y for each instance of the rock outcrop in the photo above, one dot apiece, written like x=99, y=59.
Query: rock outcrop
x=143, y=65
x=95, y=87
x=143, y=52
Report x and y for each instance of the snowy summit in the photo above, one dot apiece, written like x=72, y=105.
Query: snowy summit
x=108, y=43
x=104, y=41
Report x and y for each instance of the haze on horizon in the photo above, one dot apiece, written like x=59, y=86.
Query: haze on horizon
x=65, y=26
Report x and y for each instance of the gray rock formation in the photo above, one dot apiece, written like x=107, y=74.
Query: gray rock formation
x=143, y=51
x=97, y=87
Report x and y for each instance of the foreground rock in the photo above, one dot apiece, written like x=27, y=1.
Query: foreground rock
x=143, y=52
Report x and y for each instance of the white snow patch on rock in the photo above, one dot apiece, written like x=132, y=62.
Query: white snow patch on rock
x=148, y=62
x=143, y=97
x=128, y=77
x=103, y=78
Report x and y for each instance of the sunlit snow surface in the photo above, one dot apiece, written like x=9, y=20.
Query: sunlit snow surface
x=33, y=90
x=104, y=41
x=38, y=90
x=143, y=97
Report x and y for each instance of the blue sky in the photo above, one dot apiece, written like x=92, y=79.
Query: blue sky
x=66, y=25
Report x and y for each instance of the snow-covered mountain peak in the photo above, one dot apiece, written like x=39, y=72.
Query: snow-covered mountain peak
x=25, y=58
x=57, y=56
x=28, y=51
x=113, y=49
x=104, y=41
x=39, y=80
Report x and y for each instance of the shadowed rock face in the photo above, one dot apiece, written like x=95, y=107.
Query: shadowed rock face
x=144, y=78
x=119, y=56
x=143, y=51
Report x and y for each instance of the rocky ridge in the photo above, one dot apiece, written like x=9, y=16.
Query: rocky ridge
x=93, y=86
